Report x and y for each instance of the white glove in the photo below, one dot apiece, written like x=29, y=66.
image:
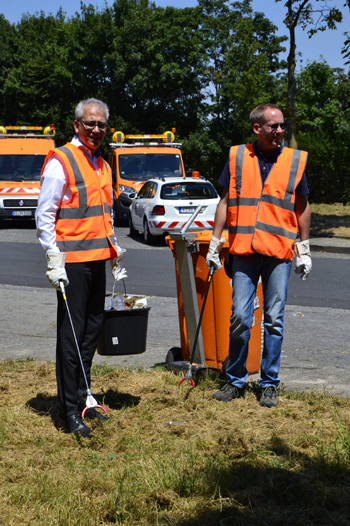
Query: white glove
x=118, y=271
x=303, y=263
x=213, y=257
x=55, y=269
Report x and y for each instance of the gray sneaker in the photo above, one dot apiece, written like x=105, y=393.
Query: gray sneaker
x=269, y=397
x=229, y=392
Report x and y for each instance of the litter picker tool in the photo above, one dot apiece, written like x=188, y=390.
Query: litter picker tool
x=90, y=400
x=188, y=374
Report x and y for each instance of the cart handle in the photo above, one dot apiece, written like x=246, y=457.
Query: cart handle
x=191, y=219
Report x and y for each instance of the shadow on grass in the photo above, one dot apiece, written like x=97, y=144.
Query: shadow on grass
x=46, y=405
x=117, y=400
x=326, y=225
x=254, y=496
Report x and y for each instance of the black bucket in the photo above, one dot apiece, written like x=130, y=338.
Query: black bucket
x=124, y=332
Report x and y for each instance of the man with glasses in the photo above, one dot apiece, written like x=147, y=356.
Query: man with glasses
x=75, y=228
x=264, y=204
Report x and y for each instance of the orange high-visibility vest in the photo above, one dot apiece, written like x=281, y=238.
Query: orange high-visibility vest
x=262, y=219
x=84, y=228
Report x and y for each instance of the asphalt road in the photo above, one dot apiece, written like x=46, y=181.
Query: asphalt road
x=316, y=346
x=151, y=270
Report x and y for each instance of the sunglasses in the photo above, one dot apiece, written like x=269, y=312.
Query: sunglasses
x=275, y=126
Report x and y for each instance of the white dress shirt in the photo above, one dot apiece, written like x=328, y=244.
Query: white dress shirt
x=54, y=189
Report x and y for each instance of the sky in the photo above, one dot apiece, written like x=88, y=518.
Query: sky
x=327, y=44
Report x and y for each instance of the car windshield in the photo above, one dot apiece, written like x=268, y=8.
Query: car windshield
x=21, y=167
x=188, y=191
x=143, y=166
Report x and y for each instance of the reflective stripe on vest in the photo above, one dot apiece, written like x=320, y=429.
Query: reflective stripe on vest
x=262, y=219
x=85, y=244
x=83, y=225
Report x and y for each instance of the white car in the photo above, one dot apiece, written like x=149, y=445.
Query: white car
x=164, y=205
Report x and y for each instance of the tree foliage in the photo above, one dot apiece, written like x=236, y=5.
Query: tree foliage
x=323, y=109
x=314, y=16
x=200, y=70
x=346, y=49
x=242, y=51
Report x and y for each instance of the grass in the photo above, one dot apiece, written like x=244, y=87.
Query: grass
x=173, y=456
x=170, y=455
x=330, y=220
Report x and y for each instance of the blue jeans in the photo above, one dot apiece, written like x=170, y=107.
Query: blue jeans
x=274, y=273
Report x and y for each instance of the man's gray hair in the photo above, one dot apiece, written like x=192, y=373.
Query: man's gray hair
x=79, y=110
x=258, y=115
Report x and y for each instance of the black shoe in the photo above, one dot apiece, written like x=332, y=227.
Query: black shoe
x=229, y=392
x=92, y=413
x=269, y=397
x=75, y=425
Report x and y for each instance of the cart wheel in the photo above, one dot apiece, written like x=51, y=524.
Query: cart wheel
x=173, y=355
x=225, y=365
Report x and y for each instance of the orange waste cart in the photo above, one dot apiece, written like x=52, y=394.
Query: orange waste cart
x=189, y=251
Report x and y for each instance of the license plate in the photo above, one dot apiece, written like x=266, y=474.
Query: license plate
x=186, y=210
x=22, y=213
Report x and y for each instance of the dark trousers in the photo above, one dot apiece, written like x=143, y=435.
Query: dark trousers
x=85, y=296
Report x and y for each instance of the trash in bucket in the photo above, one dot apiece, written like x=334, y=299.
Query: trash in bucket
x=120, y=302
x=114, y=302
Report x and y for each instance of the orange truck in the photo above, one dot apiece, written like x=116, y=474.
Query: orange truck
x=22, y=153
x=136, y=158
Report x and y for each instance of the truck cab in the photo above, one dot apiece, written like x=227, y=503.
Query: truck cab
x=136, y=158
x=22, y=154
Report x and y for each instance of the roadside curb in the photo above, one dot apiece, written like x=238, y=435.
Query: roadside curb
x=335, y=245
x=329, y=248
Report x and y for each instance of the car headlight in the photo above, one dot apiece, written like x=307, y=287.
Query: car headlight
x=126, y=189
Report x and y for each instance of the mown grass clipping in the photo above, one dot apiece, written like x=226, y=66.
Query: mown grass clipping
x=170, y=455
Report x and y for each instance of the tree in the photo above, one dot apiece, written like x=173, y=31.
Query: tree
x=7, y=55
x=148, y=63
x=242, y=51
x=300, y=12
x=346, y=48
x=37, y=89
x=157, y=66
x=322, y=103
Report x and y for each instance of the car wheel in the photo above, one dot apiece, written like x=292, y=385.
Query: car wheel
x=132, y=231
x=117, y=220
x=147, y=236
x=173, y=355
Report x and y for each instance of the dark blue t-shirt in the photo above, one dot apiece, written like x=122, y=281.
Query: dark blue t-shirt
x=266, y=162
